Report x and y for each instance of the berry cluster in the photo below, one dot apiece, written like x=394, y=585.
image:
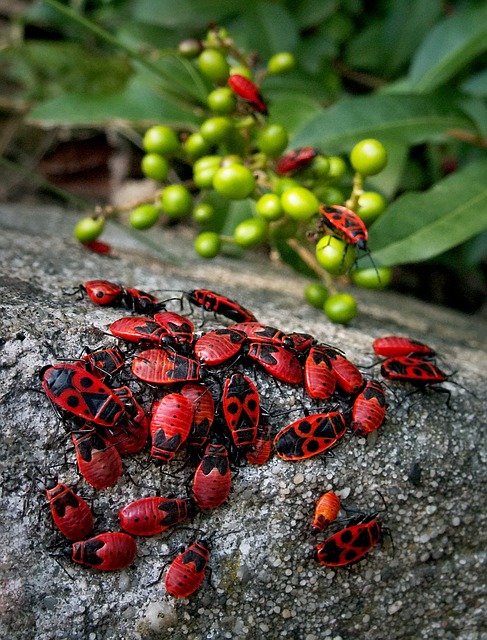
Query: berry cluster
x=204, y=400
x=239, y=154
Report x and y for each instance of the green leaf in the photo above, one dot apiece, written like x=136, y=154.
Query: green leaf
x=448, y=47
x=137, y=103
x=293, y=111
x=388, y=181
x=266, y=27
x=418, y=226
x=410, y=119
x=405, y=27
x=476, y=85
x=293, y=259
x=310, y=13
x=184, y=14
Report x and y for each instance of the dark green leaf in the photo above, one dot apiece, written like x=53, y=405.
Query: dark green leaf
x=293, y=111
x=448, y=47
x=476, y=85
x=365, y=50
x=292, y=258
x=410, y=119
x=137, y=103
x=405, y=27
x=187, y=14
x=418, y=226
x=309, y=13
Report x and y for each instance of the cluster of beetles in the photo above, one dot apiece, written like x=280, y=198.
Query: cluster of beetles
x=204, y=402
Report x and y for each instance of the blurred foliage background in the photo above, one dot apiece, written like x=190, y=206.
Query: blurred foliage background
x=83, y=79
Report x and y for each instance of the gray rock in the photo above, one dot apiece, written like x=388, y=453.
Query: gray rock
x=428, y=461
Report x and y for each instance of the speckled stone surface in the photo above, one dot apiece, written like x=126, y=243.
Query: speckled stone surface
x=427, y=581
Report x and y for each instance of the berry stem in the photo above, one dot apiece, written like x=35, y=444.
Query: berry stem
x=310, y=260
x=357, y=191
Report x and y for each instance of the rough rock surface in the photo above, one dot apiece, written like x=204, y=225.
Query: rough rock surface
x=428, y=461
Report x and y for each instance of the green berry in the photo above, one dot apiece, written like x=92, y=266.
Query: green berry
x=203, y=178
x=283, y=184
x=319, y=167
x=329, y=195
x=88, y=229
x=144, y=216
x=272, y=139
x=207, y=244
x=316, y=294
x=203, y=213
x=240, y=70
x=189, y=48
x=176, y=201
x=162, y=140
x=235, y=182
x=155, y=166
x=335, y=255
x=337, y=168
x=269, y=207
x=196, y=146
x=250, y=233
x=368, y=157
x=370, y=206
x=217, y=129
x=372, y=278
x=299, y=203
x=222, y=101
x=213, y=65
x=205, y=162
x=340, y=307
x=282, y=62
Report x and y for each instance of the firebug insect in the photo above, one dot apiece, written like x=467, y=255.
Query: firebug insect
x=204, y=413
x=257, y=332
x=218, y=346
x=170, y=425
x=369, y=409
x=279, y=362
x=97, y=246
x=351, y=544
x=103, y=292
x=261, y=449
x=131, y=436
x=103, y=363
x=410, y=369
x=106, y=552
x=187, y=571
x=319, y=376
x=326, y=511
x=241, y=408
x=177, y=326
x=346, y=224
x=153, y=515
x=393, y=346
x=139, y=329
x=295, y=160
x=163, y=367
x=301, y=342
x=218, y=303
x=348, y=377
x=74, y=389
x=309, y=436
x=213, y=479
x=70, y=513
x=99, y=462
x=247, y=90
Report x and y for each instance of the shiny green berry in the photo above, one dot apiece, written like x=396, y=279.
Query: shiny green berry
x=213, y=65
x=196, y=146
x=272, y=139
x=176, y=201
x=299, y=203
x=372, y=278
x=250, y=233
x=337, y=168
x=222, y=101
x=203, y=213
x=316, y=294
x=269, y=207
x=155, y=166
x=335, y=255
x=340, y=307
x=144, y=216
x=207, y=244
x=235, y=182
x=370, y=206
x=282, y=62
x=88, y=229
x=162, y=140
x=217, y=129
x=368, y=157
